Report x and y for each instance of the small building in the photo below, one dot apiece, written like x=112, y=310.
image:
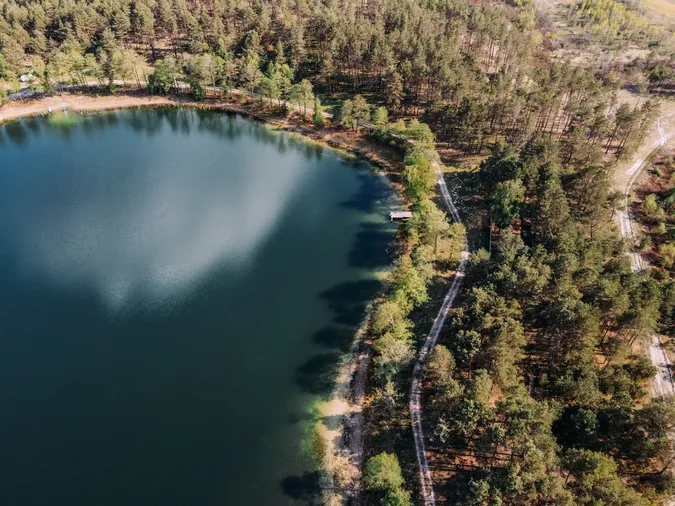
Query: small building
x=400, y=215
x=26, y=78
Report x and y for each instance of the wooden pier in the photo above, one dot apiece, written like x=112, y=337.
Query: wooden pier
x=400, y=215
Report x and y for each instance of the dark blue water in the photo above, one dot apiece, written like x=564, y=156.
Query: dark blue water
x=176, y=288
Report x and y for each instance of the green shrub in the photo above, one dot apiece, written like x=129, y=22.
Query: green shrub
x=197, y=90
x=645, y=243
x=667, y=252
x=650, y=205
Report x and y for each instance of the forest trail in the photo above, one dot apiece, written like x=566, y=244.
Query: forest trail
x=633, y=172
x=662, y=384
x=426, y=485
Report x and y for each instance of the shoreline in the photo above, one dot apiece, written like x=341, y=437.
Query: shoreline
x=87, y=100
x=340, y=424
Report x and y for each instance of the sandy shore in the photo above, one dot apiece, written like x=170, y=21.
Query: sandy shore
x=77, y=102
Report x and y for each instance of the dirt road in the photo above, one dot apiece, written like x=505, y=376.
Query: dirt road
x=426, y=485
x=662, y=384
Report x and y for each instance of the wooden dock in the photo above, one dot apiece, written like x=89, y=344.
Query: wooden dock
x=400, y=215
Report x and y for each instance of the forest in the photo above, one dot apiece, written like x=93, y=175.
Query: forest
x=538, y=392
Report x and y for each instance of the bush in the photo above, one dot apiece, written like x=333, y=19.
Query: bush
x=645, y=243
x=197, y=90
x=667, y=251
x=650, y=205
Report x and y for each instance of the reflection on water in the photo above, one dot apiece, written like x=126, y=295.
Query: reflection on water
x=149, y=229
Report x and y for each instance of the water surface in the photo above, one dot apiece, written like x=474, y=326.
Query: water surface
x=176, y=289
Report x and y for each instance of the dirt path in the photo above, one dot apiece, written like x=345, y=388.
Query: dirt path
x=627, y=177
x=426, y=485
x=662, y=383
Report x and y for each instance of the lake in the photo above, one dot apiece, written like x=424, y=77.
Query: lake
x=177, y=288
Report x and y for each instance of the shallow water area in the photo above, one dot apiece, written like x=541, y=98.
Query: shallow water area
x=177, y=287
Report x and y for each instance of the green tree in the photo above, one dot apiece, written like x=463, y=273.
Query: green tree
x=659, y=74
x=360, y=111
x=383, y=472
x=162, y=78
x=380, y=117
x=650, y=206
x=347, y=117
x=429, y=222
x=306, y=94
x=418, y=175
x=392, y=354
x=595, y=479
x=4, y=72
x=395, y=92
x=249, y=72
x=408, y=285
x=269, y=88
x=397, y=497
x=507, y=201
x=387, y=316
x=317, y=115
x=302, y=95
x=440, y=367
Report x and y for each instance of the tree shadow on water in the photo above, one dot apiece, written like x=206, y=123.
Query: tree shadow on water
x=316, y=376
x=372, y=247
x=16, y=132
x=334, y=336
x=371, y=193
x=348, y=302
x=305, y=488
